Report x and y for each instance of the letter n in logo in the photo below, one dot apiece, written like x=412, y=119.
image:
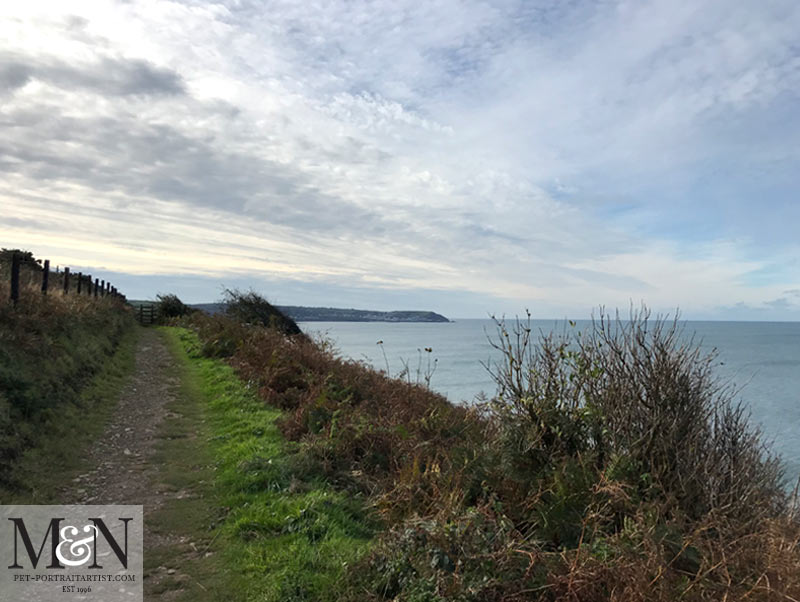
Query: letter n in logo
x=115, y=547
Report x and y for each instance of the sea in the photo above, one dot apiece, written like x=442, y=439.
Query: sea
x=760, y=359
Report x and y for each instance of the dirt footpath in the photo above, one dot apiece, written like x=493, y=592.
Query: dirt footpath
x=120, y=455
x=124, y=472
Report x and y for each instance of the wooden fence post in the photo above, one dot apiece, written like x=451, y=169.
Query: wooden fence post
x=15, y=278
x=45, y=276
x=101, y=287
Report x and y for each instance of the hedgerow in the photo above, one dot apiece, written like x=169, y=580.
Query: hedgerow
x=610, y=465
x=50, y=347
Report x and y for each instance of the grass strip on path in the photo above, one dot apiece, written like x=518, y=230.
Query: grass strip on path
x=260, y=528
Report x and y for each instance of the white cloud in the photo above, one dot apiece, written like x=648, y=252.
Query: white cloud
x=450, y=145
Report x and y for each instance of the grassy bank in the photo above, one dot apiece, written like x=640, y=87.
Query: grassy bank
x=609, y=466
x=274, y=529
x=53, y=458
x=63, y=358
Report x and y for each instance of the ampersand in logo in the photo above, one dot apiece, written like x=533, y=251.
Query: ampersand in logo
x=80, y=550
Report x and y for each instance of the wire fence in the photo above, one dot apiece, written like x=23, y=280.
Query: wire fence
x=24, y=270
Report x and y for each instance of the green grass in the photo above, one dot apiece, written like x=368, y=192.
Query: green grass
x=55, y=458
x=271, y=531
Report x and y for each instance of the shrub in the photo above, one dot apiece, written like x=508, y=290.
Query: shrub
x=610, y=465
x=639, y=397
x=252, y=308
x=170, y=306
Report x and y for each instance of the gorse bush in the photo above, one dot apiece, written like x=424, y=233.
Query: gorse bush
x=610, y=465
x=26, y=260
x=170, y=306
x=252, y=308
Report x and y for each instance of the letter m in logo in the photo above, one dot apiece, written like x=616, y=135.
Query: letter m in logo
x=21, y=533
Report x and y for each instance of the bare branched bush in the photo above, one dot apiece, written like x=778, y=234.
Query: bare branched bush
x=641, y=398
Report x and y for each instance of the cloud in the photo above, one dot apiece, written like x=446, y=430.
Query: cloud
x=779, y=309
x=780, y=303
x=561, y=154
x=107, y=76
x=13, y=75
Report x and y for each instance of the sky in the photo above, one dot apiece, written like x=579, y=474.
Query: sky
x=466, y=157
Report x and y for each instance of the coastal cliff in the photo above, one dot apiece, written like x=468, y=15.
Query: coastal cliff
x=335, y=314
x=332, y=314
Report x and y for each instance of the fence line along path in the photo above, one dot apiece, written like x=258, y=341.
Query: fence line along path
x=67, y=280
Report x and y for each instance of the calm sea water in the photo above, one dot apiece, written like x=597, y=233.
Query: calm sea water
x=761, y=358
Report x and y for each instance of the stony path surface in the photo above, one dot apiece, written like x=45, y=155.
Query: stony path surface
x=124, y=473
x=120, y=455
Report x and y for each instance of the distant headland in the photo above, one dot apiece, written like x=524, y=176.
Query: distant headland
x=335, y=314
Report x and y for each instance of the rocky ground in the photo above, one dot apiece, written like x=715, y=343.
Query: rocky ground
x=124, y=471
